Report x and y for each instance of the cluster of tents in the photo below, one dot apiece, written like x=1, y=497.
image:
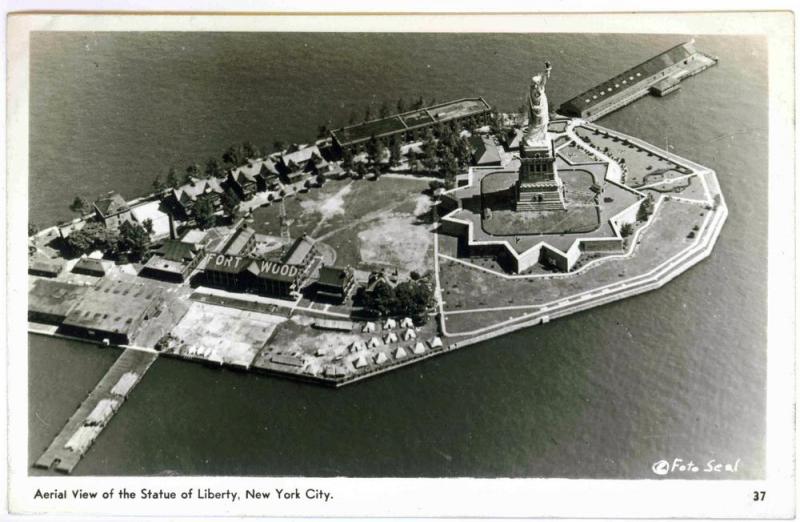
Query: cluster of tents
x=401, y=352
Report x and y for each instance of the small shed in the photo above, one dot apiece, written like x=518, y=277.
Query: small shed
x=435, y=342
x=409, y=334
x=419, y=348
x=390, y=324
x=407, y=323
x=374, y=342
x=400, y=353
x=391, y=337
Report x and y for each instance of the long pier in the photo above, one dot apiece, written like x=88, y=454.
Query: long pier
x=659, y=76
x=83, y=427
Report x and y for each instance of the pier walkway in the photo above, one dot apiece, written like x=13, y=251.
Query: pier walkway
x=96, y=410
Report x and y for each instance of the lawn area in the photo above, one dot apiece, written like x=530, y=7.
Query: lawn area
x=639, y=162
x=575, y=155
x=369, y=224
x=581, y=216
x=689, y=188
x=464, y=287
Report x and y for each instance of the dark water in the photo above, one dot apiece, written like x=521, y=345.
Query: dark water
x=679, y=372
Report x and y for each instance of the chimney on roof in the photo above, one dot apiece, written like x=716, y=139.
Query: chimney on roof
x=172, y=233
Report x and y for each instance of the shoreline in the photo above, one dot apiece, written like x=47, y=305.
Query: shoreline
x=700, y=250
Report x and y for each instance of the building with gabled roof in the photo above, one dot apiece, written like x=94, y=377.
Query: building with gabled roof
x=49, y=300
x=92, y=266
x=334, y=283
x=112, y=210
x=113, y=309
x=173, y=261
x=183, y=198
x=301, y=251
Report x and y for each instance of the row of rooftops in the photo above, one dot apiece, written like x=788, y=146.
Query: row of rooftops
x=632, y=76
x=226, y=261
x=419, y=118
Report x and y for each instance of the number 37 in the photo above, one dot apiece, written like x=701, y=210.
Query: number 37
x=758, y=496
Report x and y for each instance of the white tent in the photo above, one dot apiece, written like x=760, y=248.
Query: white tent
x=391, y=337
x=361, y=361
x=357, y=346
x=407, y=323
x=400, y=353
x=389, y=324
x=381, y=358
x=374, y=342
x=435, y=342
x=369, y=327
x=419, y=348
x=322, y=351
x=409, y=334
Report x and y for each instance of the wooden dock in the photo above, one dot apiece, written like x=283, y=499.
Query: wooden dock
x=131, y=361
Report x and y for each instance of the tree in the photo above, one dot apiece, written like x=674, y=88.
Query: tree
x=347, y=160
x=79, y=206
x=322, y=131
x=204, y=213
x=148, y=226
x=361, y=169
x=33, y=229
x=93, y=236
x=249, y=151
x=381, y=300
x=395, y=153
x=157, y=185
x=412, y=160
x=412, y=298
x=375, y=150
x=368, y=113
x=449, y=169
x=401, y=105
x=172, y=178
x=645, y=209
x=279, y=145
x=420, y=103
x=234, y=155
x=626, y=230
x=134, y=239
x=213, y=168
x=192, y=173
x=352, y=119
x=321, y=179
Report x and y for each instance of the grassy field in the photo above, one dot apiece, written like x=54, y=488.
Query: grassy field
x=581, y=215
x=465, y=287
x=369, y=224
x=576, y=155
x=640, y=163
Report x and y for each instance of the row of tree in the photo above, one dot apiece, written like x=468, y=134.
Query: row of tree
x=131, y=240
x=412, y=298
x=385, y=110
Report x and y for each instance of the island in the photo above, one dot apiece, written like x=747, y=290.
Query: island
x=381, y=244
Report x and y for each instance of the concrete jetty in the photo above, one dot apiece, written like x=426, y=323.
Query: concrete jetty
x=96, y=411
